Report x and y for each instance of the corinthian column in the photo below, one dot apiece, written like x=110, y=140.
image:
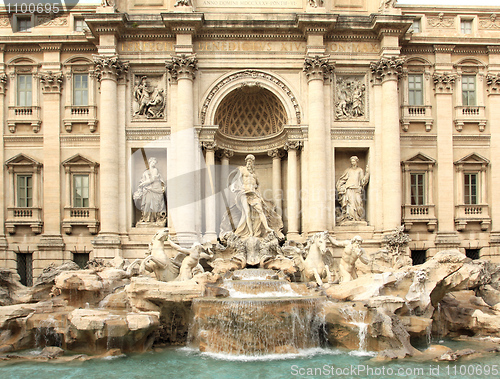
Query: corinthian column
x=443, y=86
x=277, y=154
x=210, y=192
x=108, y=70
x=5, y=262
x=182, y=177
x=493, y=84
x=388, y=71
x=317, y=69
x=292, y=193
x=51, y=243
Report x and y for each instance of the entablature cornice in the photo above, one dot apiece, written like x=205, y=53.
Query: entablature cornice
x=106, y=23
x=183, y=23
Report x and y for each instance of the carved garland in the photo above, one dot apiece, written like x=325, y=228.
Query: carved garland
x=254, y=75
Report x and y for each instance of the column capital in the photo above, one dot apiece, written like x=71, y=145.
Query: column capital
x=3, y=82
x=293, y=145
x=493, y=83
x=387, y=68
x=276, y=153
x=225, y=153
x=444, y=82
x=317, y=68
x=209, y=145
x=182, y=67
x=109, y=67
x=51, y=82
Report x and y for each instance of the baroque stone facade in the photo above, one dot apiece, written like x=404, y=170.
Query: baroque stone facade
x=87, y=98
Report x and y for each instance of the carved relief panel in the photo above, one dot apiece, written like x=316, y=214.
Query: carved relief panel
x=350, y=98
x=148, y=97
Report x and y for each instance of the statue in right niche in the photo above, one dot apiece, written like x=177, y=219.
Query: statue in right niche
x=350, y=192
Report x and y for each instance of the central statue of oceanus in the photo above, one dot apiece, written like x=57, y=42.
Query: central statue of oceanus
x=250, y=215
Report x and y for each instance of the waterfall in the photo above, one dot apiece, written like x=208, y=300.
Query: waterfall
x=357, y=319
x=260, y=317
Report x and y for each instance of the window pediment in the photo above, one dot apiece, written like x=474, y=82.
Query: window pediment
x=21, y=160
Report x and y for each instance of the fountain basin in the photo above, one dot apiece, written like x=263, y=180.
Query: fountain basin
x=256, y=326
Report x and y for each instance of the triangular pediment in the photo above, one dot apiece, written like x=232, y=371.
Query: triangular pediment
x=79, y=160
x=473, y=158
x=22, y=160
x=420, y=158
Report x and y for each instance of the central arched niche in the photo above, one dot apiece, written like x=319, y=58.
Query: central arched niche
x=250, y=111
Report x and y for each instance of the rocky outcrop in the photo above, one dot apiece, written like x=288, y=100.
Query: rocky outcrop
x=88, y=286
x=11, y=289
x=42, y=287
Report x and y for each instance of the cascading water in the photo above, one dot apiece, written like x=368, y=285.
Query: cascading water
x=357, y=319
x=261, y=316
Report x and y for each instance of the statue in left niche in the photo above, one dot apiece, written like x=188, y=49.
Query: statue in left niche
x=150, y=196
x=150, y=100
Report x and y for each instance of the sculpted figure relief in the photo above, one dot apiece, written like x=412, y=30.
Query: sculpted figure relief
x=350, y=192
x=150, y=100
x=352, y=252
x=350, y=98
x=149, y=196
x=251, y=215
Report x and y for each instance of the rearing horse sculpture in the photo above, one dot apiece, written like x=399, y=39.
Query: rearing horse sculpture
x=313, y=267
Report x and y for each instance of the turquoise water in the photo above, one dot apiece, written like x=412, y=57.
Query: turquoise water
x=184, y=363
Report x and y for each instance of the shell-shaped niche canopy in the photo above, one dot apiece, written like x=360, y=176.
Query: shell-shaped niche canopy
x=250, y=112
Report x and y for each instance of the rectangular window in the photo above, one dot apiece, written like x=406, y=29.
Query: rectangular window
x=417, y=189
x=466, y=26
x=23, y=24
x=80, y=25
x=24, y=90
x=472, y=253
x=24, y=191
x=81, y=259
x=25, y=268
x=468, y=90
x=81, y=89
x=80, y=191
x=471, y=188
x=415, y=89
x=418, y=257
x=416, y=26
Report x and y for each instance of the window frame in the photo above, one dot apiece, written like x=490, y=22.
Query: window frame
x=413, y=91
x=466, y=98
x=19, y=90
x=74, y=191
x=419, y=189
x=469, y=187
x=417, y=21
x=466, y=26
x=19, y=18
x=24, y=193
x=79, y=90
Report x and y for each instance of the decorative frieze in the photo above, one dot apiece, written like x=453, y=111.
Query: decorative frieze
x=489, y=23
x=109, y=67
x=387, y=68
x=350, y=98
x=51, y=82
x=493, y=83
x=444, y=82
x=317, y=68
x=441, y=21
x=182, y=67
x=45, y=21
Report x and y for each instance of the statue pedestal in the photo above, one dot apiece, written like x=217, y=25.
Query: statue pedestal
x=349, y=229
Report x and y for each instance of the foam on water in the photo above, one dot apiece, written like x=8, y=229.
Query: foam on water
x=302, y=354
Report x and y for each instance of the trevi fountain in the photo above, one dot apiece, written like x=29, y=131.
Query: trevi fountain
x=253, y=304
